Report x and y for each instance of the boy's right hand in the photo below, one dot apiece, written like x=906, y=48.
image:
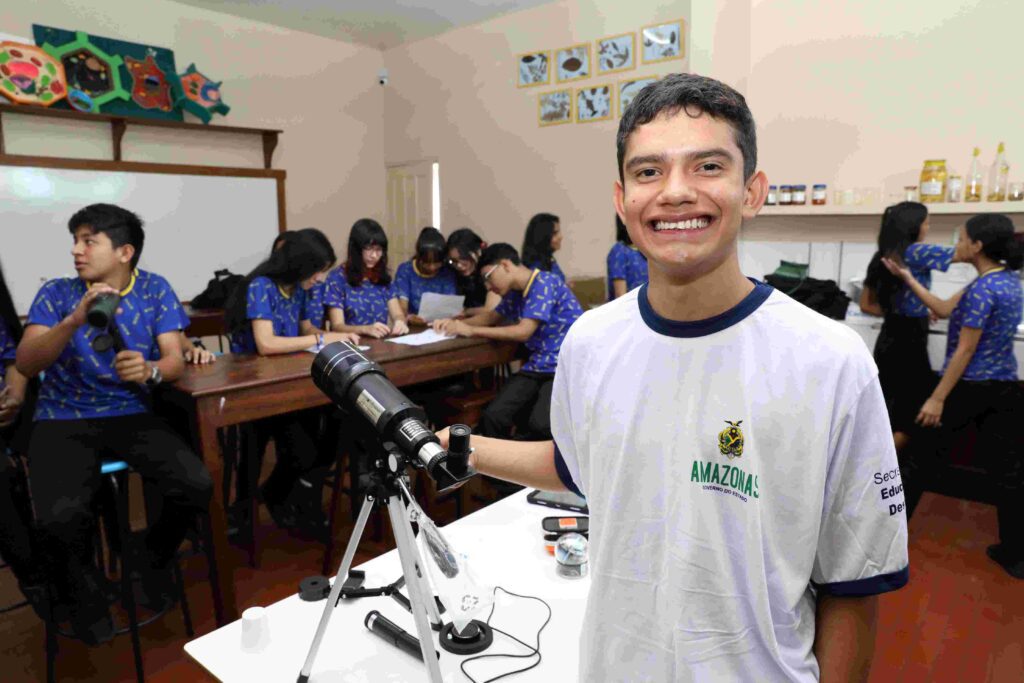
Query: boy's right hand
x=78, y=316
x=376, y=330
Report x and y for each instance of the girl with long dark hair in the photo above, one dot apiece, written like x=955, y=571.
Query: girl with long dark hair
x=464, y=249
x=425, y=272
x=627, y=267
x=269, y=313
x=901, y=351
x=979, y=382
x=360, y=296
x=542, y=239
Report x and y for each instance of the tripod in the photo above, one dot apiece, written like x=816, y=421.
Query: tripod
x=388, y=488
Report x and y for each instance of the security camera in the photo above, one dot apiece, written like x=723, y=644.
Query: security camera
x=382, y=76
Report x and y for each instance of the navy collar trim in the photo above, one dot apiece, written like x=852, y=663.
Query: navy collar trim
x=702, y=328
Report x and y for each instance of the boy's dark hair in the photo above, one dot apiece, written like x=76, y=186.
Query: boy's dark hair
x=121, y=226
x=366, y=232
x=465, y=242
x=431, y=246
x=302, y=255
x=694, y=95
x=537, y=241
x=998, y=240
x=496, y=253
x=621, y=234
x=901, y=227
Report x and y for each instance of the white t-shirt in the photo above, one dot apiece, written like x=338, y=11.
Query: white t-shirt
x=733, y=467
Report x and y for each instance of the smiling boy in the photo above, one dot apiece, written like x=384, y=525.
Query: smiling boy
x=726, y=437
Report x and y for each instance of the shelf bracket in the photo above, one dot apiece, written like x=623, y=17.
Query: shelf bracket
x=117, y=129
x=269, y=145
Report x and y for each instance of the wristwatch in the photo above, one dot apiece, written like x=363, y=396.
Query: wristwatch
x=155, y=376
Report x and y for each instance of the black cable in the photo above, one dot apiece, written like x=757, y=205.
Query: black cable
x=533, y=650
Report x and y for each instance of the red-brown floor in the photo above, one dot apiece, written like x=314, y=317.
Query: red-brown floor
x=960, y=619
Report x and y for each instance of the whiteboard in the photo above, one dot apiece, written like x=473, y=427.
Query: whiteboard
x=194, y=224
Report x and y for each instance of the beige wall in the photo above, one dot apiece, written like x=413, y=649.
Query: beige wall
x=332, y=146
x=454, y=98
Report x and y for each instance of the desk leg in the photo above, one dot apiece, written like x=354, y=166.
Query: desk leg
x=225, y=609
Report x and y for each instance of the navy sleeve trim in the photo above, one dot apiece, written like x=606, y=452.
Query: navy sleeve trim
x=873, y=585
x=563, y=473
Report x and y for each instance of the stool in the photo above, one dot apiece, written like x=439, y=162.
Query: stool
x=115, y=474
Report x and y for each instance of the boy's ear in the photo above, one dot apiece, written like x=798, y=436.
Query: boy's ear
x=125, y=253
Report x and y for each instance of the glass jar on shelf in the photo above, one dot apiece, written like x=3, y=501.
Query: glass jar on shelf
x=819, y=195
x=933, y=181
x=955, y=189
x=1015, y=192
x=910, y=193
x=785, y=195
x=799, y=195
x=773, y=196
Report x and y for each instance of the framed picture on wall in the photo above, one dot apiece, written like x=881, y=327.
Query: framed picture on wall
x=534, y=69
x=629, y=88
x=554, y=107
x=616, y=53
x=660, y=42
x=572, y=63
x=593, y=104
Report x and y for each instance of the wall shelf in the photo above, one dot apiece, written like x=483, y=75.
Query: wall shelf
x=119, y=124
x=941, y=208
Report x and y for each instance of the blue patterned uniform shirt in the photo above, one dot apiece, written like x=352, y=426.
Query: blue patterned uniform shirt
x=548, y=300
x=992, y=303
x=365, y=304
x=314, y=307
x=265, y=301
x=411, y=286
x=82, y=383
x=555, y=269
x=922, y=259
x=7, y=351
x=626, y=263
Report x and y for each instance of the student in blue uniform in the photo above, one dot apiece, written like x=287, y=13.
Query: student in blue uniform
x=360, y=296
x=464, y=249
x=627, y=267
x=95, y=404
x=979, y=382
x=542, y=239
x=425, y=272
x=901, y=351
x=539, y=308
x=269, y=314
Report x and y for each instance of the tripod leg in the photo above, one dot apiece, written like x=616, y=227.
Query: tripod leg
x=339, y=581
x=427, y=589
x=410, y=558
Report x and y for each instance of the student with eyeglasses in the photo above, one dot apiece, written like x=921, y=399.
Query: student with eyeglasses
x=464, y=249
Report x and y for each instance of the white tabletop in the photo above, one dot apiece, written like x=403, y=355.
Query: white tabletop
x=504, y=545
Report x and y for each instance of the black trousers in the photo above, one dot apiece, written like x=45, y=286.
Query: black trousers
x=904, y=370
x=995, y=409
x=525, y=396
x=64, y=476
x=15, y=521
x=295, y=438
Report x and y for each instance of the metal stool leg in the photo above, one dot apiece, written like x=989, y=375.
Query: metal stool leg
x=211, y=564
x=179, y=583
x=119, y=482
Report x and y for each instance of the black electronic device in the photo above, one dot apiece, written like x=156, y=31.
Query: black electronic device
x=566, y=500
x=354, y=382
x=394, y=634
x=564, y=525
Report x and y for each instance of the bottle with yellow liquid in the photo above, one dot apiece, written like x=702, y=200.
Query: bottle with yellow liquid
x=998, y=176
x=972, y=184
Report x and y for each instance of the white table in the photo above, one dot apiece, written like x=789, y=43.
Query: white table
x=504, y=544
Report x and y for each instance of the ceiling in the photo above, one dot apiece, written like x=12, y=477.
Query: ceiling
x=381, y=24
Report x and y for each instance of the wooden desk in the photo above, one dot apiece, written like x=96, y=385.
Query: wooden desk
x=242, y=388
x=205, y=322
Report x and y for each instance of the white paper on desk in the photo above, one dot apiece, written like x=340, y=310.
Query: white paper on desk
x=316, y=349
x=436, y=306
x=421, y=339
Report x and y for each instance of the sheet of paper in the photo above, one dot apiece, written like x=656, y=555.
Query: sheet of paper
x=421, y=339
x=436, y=306
x=316, y=349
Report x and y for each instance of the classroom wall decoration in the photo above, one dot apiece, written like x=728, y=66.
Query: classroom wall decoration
x=151, y=88
x=629, y=88
x=593, y=104
x=28, y=75
x=198, y=95
x=661, y=42
x=572, y=63
x=616, y=53
x=95, y=85
x=554, y=107
x=534, y=69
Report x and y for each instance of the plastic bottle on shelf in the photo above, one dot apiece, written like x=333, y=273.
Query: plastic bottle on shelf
x=998, y=175
x=972, y=189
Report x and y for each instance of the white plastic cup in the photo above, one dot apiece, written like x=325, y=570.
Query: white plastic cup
x=255, y=629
